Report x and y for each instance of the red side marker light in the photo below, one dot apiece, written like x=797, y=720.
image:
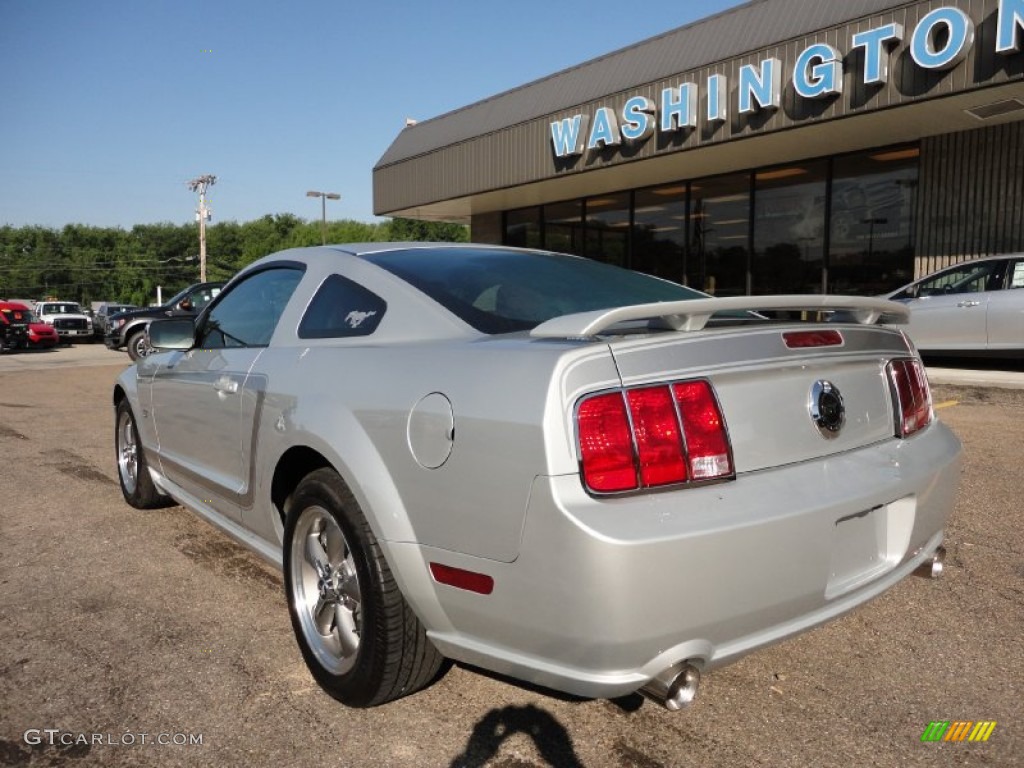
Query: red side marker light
x=462, y=579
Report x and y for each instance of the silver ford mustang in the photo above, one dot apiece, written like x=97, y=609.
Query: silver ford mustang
x=573, y=474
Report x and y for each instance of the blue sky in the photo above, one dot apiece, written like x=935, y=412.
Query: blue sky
x=110, y=106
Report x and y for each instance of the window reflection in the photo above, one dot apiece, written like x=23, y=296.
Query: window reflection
x=523, y=228
x=789, y=229
x=659, y=232
x=872, y=229
x=563, y=227
x=719, y=234
x=608, y=229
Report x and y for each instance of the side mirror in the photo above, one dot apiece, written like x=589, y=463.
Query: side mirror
x=909, y=293
x=176, y=333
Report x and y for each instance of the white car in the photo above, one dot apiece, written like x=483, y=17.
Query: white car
x=974, y=308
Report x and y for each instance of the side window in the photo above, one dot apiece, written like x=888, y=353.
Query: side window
x=203, y=297
x=968, y=278
x=1016, y=274
x=341, y=309
x=248, y=315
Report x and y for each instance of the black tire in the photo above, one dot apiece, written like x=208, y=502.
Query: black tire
x=374, y=649
x=137, y=345
x=132, y=470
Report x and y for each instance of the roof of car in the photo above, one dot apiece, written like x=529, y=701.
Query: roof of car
x=359, y=249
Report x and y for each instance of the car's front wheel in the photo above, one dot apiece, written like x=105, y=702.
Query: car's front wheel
x=138, y=345
x=359, y=637
x=137, y=486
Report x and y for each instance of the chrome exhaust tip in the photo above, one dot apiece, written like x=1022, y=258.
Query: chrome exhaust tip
x=932, y=567
x=674, y=688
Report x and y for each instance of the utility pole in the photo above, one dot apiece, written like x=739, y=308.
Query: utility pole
x=200, y=184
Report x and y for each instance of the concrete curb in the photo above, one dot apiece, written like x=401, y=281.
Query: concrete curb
x=971, y=378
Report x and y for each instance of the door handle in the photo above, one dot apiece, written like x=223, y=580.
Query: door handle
x=226, y=385
x=968, y=303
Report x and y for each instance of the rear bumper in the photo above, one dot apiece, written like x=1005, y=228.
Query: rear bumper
x=606, y=593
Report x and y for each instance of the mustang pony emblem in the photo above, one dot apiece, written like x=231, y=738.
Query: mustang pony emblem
x=356, y=318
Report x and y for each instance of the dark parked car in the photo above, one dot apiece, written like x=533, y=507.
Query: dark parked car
x=127, y=330
x=101, y=319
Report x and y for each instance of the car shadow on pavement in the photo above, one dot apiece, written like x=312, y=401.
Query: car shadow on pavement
x=552, y=740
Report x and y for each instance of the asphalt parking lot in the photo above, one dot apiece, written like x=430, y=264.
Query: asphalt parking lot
x=148, y=638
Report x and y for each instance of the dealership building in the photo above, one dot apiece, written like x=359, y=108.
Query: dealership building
x=784, y=146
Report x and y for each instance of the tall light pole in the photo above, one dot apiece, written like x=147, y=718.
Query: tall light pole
x=871, y=221
x=200, y=184
x=324, y=197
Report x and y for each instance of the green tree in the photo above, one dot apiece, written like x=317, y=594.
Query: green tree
x=427, y=231
x=85, y=263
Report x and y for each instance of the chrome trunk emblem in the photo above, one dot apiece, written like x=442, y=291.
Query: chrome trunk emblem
x=827, y=410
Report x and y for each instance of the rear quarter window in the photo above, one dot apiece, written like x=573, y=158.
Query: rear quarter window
x=342, y=309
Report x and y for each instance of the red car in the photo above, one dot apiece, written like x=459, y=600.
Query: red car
x=38, y=335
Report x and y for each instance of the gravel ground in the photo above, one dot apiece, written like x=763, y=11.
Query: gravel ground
x=116, y=623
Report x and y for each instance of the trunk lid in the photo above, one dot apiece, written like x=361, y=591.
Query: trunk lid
x=768, y=391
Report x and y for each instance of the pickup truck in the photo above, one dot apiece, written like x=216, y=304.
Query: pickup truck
x=67, y=318
x=127, y=330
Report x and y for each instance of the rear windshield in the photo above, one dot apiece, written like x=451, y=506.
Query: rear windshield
x=502, y=291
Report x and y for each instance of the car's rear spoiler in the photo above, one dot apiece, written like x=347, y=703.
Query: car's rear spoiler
x=693, y=314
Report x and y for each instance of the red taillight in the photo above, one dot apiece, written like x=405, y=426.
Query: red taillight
x=671, y=434
x=804, y=339
x=658, y=441
x=913, y=399
x=706, y=441
x=606, y=444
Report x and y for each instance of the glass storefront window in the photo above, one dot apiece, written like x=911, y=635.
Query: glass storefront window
x=789, y=228
x=871, y=247
x=563, y=227
x=659, y=233
x=522, y=228
x=699, y=233
x=719, y=234
x=608, y=228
